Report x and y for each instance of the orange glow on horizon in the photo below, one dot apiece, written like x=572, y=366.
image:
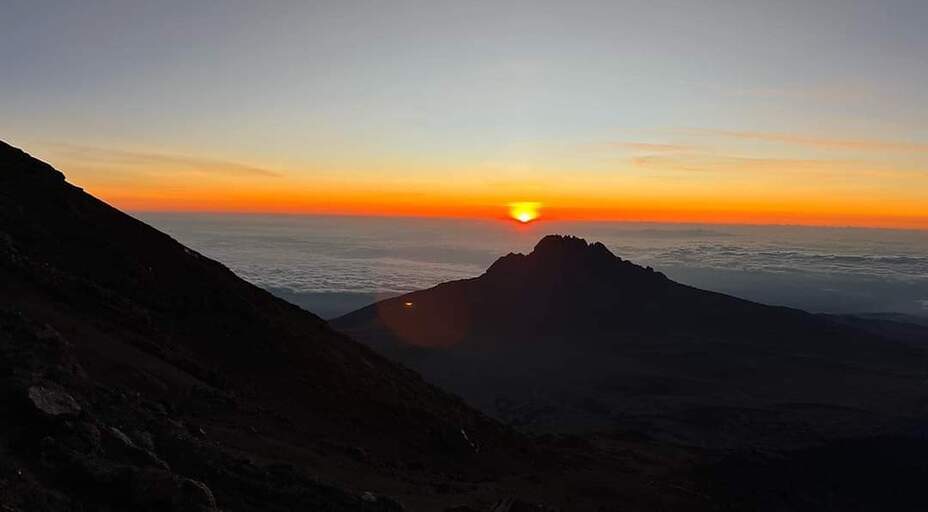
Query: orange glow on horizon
x=684, y=214
x=719, y=206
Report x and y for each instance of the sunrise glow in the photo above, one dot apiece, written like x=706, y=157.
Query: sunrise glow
x=524, y=212
x=618, y=125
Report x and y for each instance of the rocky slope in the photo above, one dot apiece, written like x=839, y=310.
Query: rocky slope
x=136, y=374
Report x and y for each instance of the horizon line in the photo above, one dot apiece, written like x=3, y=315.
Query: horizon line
x=545, y=219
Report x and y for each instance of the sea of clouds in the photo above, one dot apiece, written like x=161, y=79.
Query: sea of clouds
x=821, y=269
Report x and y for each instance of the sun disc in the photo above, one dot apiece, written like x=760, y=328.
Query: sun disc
x=524, y=212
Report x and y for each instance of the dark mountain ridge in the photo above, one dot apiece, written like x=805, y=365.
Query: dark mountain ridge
x=571, y=336
x=138, y=374
x=179, y=306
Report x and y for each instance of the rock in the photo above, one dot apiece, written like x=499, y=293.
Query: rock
x=517, y=505
x=53, y=402
x=121, y=437
x=195, y=495
x=358, y=453
x=48, y=333
x=157, y=408
x=154, y=489
x=473, y=444
x=84, y=437
x=143, y=439
x=121, y=446
x=382, y=503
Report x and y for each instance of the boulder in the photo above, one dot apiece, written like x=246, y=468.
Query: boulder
x=120, y=446
x=195, y=495
x=154, y=489
x=52, y=402
x=517, y=505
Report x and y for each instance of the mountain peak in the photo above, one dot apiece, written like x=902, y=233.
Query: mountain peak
x=558, y=251
x=561, y=246
x=562, y=255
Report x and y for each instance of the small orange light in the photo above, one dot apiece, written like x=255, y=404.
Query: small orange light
x=407, y=304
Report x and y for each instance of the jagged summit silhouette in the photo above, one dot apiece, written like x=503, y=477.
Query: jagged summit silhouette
x=607, y=342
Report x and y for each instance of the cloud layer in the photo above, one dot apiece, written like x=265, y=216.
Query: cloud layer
x=156, y=162
x=851, y=269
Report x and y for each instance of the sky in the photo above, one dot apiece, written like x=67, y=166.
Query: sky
x=796, y=112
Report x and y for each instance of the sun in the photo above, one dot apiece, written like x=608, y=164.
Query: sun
x=524, y=212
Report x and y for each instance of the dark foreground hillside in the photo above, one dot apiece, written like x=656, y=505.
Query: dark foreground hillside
x=136, y=374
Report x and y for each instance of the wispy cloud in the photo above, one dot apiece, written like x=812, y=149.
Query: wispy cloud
x=168, y=162
x=836, y=93
x=820, y=142
x=652, y=147
x=821, y=168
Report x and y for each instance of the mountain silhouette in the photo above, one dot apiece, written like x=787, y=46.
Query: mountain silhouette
x=571, y=337
x=137, y=374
